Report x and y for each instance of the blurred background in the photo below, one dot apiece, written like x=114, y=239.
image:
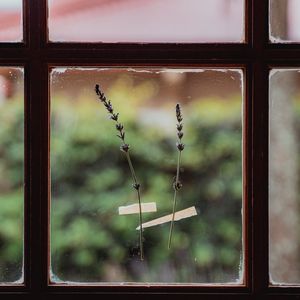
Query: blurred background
x=284, y=176
x=147, y=21
x=11, y=28
x=91, y=178
x=133, y=20
x=11, y=173
x=284, y=151
x=151, y=21
x=284, y=21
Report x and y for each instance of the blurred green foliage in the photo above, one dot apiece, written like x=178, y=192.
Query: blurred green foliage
x=11, y=190
x=90, y=180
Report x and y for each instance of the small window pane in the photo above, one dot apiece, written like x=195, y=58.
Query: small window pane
x=284, y=21
x=90, y=240
x=11, y=174
x=11, y=28
x=184, y=21
x=284, y=175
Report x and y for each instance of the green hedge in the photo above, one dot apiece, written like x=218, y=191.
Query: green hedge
x=90, y=179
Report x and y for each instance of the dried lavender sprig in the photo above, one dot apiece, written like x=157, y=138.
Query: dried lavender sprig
x=124, y=148
x=177, y=184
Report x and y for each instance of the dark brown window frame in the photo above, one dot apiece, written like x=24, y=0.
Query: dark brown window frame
x=256, y=57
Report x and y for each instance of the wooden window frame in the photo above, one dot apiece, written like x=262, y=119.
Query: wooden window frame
x=256, y=56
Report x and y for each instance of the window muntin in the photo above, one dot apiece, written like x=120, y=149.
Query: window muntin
x=90, y=242
x=155, y=21
x=284, y=176
x=11, y=174
x=11, y=27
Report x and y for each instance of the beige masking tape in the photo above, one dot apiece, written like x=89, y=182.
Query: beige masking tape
x=135, y=208
x=181, y=214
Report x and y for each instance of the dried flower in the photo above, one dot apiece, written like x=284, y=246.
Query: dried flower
x=115, y=117
x=177, y=185
x=179, y=127
x=178, y=113
x=180, y=146
x=109, y=107
x=124, y=148
x=136, y=186
x=121, y=135
x=119, y=126
x=99, y=93
x=180, y=135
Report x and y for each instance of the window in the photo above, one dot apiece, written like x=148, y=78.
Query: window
x=84, y=150
x=248, y=61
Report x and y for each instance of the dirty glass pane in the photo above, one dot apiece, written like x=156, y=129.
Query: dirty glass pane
x=11, y=28
x=11, y=174
x=284, y=175
x=183, y=21
x=90, y=240
x=284, y=21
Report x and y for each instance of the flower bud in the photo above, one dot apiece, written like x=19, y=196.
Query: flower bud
x=180, y=135
x=124, y=148
x=178, y=113
x=180, y=146
x=179, y=127
x=119, y=127
x=99, y=93
x=115, y=117
x=136, y=186
x=177, y=185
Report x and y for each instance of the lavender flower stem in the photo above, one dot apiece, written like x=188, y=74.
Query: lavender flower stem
x=124, y=148
x=177, y=184
x=140, y=204
x=174, y=200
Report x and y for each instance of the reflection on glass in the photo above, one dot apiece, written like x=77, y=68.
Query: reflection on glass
x=90, y=241
x=190, y=21
x=284, y=21
x=284, y=176
x=11, y=28
x=11, y=174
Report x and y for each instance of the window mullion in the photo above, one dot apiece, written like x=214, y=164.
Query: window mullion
x=36, y=184
x=260, y=237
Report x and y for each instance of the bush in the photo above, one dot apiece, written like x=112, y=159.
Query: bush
x=91, y=179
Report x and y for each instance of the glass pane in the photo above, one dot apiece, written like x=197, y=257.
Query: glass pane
x=284, y=176
x=11, y=174
x=184, y=21
x=284, y=21
x=91, y=241
x=11, y=27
